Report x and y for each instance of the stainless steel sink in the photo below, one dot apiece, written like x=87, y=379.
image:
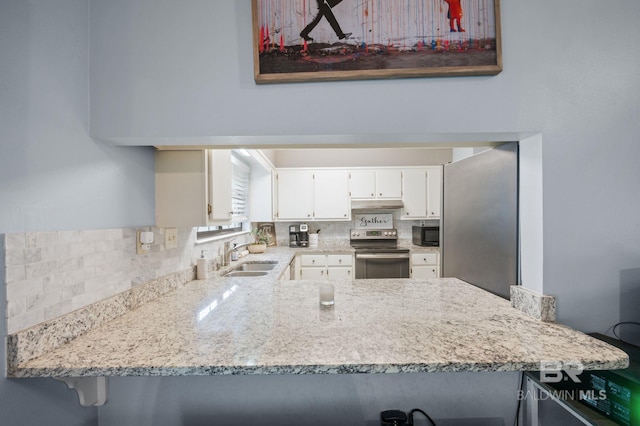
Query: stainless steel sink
x=256, y=266
x=245, y=273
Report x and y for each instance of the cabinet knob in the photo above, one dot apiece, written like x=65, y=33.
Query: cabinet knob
x=321, y=272
x=313, y=261
x=339, y=260
x=381, y=194
x=407, y=213
x=345, y=215
x=372, y=194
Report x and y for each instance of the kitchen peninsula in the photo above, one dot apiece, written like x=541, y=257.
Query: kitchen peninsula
x=263, y=325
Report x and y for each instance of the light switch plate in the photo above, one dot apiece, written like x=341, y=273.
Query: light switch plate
x=170, y=238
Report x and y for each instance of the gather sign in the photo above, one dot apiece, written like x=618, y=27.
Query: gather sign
x=372, y=220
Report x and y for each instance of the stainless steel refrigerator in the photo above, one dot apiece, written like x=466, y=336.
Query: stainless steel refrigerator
x=479, y=241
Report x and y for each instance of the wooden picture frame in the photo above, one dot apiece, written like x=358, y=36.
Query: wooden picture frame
x=269, y=229
x=320, y=40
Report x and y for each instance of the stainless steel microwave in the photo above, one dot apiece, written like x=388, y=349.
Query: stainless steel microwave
x=426, y=236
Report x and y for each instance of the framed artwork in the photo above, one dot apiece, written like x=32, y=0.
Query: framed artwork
x=315, y=40
x=269, y=228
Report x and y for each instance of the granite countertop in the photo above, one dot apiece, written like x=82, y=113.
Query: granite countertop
x=261, y=325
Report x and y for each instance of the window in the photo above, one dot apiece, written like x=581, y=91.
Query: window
x=239, y=202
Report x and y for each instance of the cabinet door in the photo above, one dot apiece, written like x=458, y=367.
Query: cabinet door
x=313, y=273
x=181, y=188
x=389, y=183
x=294, y=194
x=334, y=274
x=424, y=272
x=414, y=194
x=434, y=192
x=220, y=185
x=331, y=195
x=362, y=184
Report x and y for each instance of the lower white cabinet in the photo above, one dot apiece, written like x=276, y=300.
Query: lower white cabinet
x=337, y=266
x=425, y=265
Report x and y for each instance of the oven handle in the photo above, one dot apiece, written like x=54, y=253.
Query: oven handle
x=382, y=256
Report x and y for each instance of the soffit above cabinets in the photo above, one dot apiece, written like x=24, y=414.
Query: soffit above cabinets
x=391, y=140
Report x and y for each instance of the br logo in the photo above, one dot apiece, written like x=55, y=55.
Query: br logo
x=557, y=371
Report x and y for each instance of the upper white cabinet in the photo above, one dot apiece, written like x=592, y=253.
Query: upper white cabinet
x=434, y=192
x=220, y=185
x=182, y=188
x=194, y=188
x=362, y=184
x=331, y=195
x=379, y=183
x=422, y=191
x=414, y=187
x=311, y=195
x=293, y=195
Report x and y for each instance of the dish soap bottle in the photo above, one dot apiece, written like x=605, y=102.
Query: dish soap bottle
x=202, y=273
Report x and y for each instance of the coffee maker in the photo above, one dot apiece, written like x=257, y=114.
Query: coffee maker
x=299, y=235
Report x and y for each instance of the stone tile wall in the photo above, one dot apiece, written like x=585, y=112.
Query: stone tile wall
x=48, y=274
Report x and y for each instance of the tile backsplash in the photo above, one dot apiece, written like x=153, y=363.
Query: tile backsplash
x=48, y=274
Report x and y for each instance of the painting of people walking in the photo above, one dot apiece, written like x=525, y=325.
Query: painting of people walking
x=316, y=40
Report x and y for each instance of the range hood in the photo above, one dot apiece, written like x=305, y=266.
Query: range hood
x=357, y=205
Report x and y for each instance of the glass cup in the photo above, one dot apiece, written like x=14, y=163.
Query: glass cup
x=326, y=294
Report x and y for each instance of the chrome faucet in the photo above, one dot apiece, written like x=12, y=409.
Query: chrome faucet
x=228, y=249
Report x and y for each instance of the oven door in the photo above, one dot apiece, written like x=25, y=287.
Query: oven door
x=382, y=265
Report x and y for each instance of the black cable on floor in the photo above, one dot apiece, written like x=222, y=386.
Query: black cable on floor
x=423, y=413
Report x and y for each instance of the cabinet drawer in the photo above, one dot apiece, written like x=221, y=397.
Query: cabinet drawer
x=424, y=259
x=339, y=260
x=313, y=260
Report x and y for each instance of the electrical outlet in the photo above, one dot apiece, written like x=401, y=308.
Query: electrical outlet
x=144, y=239
x=170, y=238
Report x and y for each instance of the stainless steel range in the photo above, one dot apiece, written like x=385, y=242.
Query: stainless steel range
x=378, y=255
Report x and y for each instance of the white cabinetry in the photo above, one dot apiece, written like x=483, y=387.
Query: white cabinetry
x=331, y=195
x=379, y=183
x=311, y=195
x=293, y=195
x=422, y=191
x=182, y=188
x=434, y=192
x=414, y=189
x=425, y=265
x=220, y=185
x=326, y=267
x=193, y=188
